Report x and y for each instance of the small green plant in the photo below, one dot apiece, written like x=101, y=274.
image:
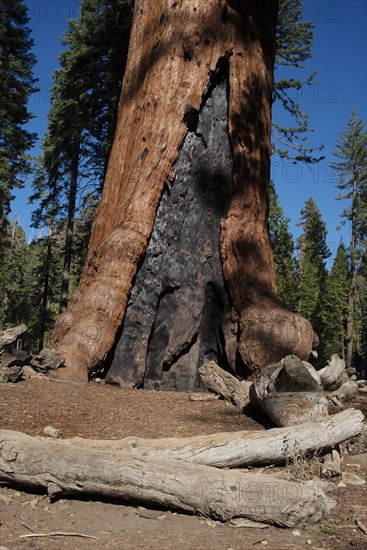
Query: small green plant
x=300, y=464
x=325, y=527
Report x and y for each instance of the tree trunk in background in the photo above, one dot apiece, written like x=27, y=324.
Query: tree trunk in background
x=353, y=276
x=45, y=293
x=179, y=267
x=69, y=237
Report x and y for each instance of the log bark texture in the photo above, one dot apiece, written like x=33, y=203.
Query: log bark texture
x=241, y=449
x=289, y=392
x=347, y=391
x=225, y=384
x=331, y=465
x=10, y=335
x=176, y=51
x=333, y=370
x=220, y=494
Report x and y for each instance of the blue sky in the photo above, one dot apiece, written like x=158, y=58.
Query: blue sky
x=339, y=57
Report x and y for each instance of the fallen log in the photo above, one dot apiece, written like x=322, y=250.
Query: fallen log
x=290, y=393
x=345, y=392
x=330, y=374
x=331, y=465
x=241, y=449
x=10, y=374
x=10, y=335
x=294, y=408
x=219, y=494
x=237, y=449
x=224, y=384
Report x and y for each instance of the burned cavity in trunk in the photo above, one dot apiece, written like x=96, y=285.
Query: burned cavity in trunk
x=179, y=314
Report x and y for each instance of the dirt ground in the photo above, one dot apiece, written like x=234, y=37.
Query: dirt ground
x=100, y=411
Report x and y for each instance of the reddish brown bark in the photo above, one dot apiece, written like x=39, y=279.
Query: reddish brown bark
x=175, y=50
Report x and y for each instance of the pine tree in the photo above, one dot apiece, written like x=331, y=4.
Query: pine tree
x=313, y=239
x=16, y=85
x=45, y=290
x=294, y=48
x=82, y=116
x=334, y=307
x=351, y=150
x=312, y=269
x=15, y=278
x=360, y=352
x=283, y=252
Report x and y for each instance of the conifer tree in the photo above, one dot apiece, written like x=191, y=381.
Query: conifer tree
x=82, y=115
x=334, y=307
x=360, y=352
x=294, y=48
x=283, y=252
x=312, y=269
x=351, y=150
x=15, y=278
x=45, y=290
x=16, y=85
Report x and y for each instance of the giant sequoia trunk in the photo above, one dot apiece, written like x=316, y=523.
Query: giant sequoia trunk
x=179, y=268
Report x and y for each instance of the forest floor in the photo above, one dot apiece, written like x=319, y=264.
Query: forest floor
x=100, y=411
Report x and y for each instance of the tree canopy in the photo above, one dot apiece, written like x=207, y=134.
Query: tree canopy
x=17, y=83
x=351, y=170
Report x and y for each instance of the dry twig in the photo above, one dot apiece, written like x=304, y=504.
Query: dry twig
x=57, y=534
x=25, y=524
x=361, y=526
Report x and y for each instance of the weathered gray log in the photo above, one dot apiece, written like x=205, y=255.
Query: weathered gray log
x=240, y=449
x=47, y=359
x=226, y=385
x=9, y=335
x=341, y=380
x=331, y=465
x=305, y=403
x=9, y=360
x=10, y=374
x=297, y=375
x=220, y=494
x=345, y=392
x=330, y=374
x=292, y=408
